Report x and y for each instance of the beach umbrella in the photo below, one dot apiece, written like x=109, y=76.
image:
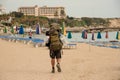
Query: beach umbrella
x=21, y=30
x=117, y=35
x=12, y=30
x=93, y=36
x=64, y=29
x=38, y=30
x=5, y=30
x=106, y=36
x=16, y=29
x=69, y=35
x=99, y=35
x=83, y=34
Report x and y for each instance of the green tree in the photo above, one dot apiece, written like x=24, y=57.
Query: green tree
x=17, y=14
x=87, y=20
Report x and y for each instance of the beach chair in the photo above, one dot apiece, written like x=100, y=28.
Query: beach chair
x=38, y=43
x=67, y=44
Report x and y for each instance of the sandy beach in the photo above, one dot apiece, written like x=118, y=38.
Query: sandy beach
x=19, y=61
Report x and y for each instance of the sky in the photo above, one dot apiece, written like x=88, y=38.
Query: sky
x=73, y=8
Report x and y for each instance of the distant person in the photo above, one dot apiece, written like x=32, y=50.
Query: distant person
x=55, y=46
x=30, y=34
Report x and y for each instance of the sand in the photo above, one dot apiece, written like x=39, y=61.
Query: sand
x=19, y=61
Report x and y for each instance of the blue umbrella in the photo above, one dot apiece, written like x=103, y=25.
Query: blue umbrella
x=21, y=30
x=99, y=35
x=38, y=29
x=83, y=34
x=69, y=35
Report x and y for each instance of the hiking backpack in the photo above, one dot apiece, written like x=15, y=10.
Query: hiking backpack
x=55, y=42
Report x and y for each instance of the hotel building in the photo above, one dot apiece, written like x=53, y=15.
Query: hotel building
x=50, y=12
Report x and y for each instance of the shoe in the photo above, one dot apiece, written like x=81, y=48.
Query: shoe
x=58, y=68
x=53, y=71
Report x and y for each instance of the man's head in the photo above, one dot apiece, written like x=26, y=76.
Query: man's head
x=55, y=26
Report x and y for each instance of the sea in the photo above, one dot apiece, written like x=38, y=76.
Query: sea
x=110, y=42
x=76, y=37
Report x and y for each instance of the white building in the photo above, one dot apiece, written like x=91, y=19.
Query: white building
x=50, y=12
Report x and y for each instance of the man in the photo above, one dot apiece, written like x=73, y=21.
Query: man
x=55, y=46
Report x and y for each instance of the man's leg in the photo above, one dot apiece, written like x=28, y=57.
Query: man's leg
x=58, y=65
x=52, y=55
x=58, y=60
x=53, y=64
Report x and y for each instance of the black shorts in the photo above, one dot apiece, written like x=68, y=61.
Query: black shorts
x=55, y=54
